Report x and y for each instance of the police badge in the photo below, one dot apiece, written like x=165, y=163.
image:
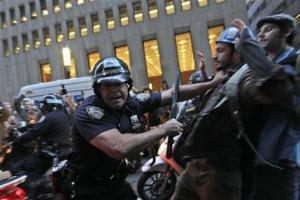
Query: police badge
x=95, y=112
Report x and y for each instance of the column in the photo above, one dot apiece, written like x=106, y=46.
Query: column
x=137, y=60
x=168, y=54
x=200, y=42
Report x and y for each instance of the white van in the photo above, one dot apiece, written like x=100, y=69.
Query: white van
x=76, y=87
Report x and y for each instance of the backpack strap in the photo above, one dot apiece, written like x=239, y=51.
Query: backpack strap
x=231, y=93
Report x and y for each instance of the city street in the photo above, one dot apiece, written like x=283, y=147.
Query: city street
x=133, y=179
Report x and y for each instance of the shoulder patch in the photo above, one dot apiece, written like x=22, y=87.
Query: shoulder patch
x=95, y=112
x=142, y=97
x=42, y=119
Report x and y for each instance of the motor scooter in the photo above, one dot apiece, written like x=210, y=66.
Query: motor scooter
x=9, y=189
x=158, y=178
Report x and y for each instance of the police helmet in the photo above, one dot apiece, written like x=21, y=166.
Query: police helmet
x=229, y=35
x=284, y=20
x=111, y=70
x=50, y=102
x=196, y=77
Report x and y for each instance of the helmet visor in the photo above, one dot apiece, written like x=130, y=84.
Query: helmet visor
x=116, y=79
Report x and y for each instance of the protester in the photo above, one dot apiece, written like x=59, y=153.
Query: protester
x=279, y=138
x=213, y=147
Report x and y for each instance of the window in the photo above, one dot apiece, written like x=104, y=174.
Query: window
x=82, y=26
x=33, y=13
x=3, y=20
x=170, y=7
x=220, y=1
x=153, y=10
x=59, y=34
x=93, y=58
x=123, y=15
x=26, y=45
x=68, y=4
x=22, y=13
x=138, y=13
x=185, y=55
x=46, y=72
x=5, y=48
x=79, y=2
x=123, y=53
x=186, y=5
x=110, y=23
x=152, y=59
x=12, y=16
x=44, y=9
x=95, y=22
x=16, y=47
x=202, y=3
x=47, y=38
x=213, y=34
x=69, y=62
x=35, y=39
x=56, y=7
x=71, y=30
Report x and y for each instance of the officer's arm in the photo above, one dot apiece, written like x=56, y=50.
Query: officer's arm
x=191, y=90
x=120, y=146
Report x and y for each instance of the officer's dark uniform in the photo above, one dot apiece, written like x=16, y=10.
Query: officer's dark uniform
x=53, y=132
x=96, y=175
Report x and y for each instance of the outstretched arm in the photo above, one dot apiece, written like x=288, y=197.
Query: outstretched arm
x=120, y=146
x=191, y=90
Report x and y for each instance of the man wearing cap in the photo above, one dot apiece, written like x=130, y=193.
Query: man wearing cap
x=104, y=130
x=279, y=139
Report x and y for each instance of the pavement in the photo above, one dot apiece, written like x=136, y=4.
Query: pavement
x=133, y=179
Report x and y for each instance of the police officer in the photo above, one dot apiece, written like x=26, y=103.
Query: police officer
x=105, y=126
x=52, y=130
x=279, y=140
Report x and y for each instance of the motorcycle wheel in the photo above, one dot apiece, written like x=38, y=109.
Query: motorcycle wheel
x=151, y=185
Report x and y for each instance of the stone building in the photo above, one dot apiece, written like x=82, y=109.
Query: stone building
x=45, y=40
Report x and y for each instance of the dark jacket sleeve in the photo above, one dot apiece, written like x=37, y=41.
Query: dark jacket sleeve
x=266, y=82
x=36, y=131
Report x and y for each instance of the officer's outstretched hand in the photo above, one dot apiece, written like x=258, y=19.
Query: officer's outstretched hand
x=171, y=127
x=219, y=77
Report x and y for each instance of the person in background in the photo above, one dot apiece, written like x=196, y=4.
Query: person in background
x=25, y=110
x=4, y=115
x=52, y=133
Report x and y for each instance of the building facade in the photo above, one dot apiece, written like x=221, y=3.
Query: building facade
x=45, y=40
x=259, y=8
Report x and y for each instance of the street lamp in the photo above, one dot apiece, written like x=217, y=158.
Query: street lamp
x=66, y=52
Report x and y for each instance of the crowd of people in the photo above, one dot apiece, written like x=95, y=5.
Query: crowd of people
x=242, y=143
